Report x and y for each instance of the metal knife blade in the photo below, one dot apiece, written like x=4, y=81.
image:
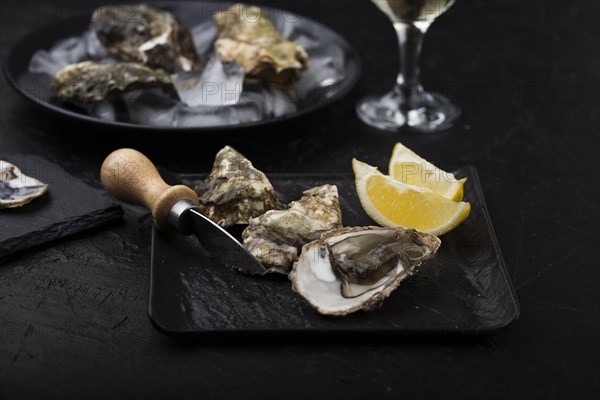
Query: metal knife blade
x=188, y=218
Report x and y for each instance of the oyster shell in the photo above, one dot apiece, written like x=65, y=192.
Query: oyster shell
x=248, y=38
x=235, y=191
x=146, y=35
x=90, y=81
x=277, y=236
x=16, y=188
x=353, y=269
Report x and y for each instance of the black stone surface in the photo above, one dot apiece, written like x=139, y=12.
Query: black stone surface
x=73, y=318
x=70, y=206
x=464, y=290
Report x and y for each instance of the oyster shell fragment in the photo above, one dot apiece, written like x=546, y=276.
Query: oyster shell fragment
x=143, y=34
x=16, y=188
x=235, y=191
x=277, y=236
x=247, y=37
x=353, y=269
x=91, y=82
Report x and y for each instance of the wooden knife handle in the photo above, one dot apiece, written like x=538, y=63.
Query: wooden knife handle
x=131, y=177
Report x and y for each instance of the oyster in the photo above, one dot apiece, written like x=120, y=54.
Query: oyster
x=248, y=38
x=90, y=81
x=235, y=191
x=16, y=188
x=277, y=236
x=353, y=269
x=146, y=35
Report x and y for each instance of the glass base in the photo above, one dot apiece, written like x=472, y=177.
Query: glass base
x=425, y=112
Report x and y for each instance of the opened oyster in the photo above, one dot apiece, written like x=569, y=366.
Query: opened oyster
x=146, y=35
x=353, y=269
x=277, y=236
x=235, y=191
x=16, y=188
x=90, y=81
x=248, y=38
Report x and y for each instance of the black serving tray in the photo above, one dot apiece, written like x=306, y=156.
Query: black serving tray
x=465, y=289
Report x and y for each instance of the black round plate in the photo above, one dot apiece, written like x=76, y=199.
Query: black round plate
x=36, y=89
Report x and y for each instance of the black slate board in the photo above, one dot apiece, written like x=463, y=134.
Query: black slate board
x=69, y=207
x=464, y=290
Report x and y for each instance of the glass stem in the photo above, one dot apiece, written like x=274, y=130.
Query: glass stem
x=410, y=39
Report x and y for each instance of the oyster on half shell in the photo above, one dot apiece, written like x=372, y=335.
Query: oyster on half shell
x=91, y=82
x=143, y=34
x=16, y=188
x=277, y=236
x=353, y=269
x=235, y=191
x=248, y=38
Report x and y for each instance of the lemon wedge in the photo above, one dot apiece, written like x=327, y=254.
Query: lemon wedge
x=392, y=203
x=407, y=167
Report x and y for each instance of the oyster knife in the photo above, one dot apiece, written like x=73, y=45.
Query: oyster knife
x=131, y=177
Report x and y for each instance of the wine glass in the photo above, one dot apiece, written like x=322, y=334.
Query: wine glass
x=408, y=104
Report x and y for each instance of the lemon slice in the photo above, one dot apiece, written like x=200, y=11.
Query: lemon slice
x=392, y=203
x=407, y=167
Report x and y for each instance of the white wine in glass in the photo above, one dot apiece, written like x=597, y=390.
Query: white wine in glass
x=408, y=105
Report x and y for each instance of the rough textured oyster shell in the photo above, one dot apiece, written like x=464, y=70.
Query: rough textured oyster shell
x=146, y=35
x=353, y=269
x=277, y=236
x=90, y=81
x=16, y=188
x=235, y=191
x=247, y=37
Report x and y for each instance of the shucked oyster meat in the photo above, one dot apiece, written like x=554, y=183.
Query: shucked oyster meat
x=353, y=269
x=235, y=191
x=277, y=236
x=16, y=188
x=247, y=37
x=146, y=35
x=90, y=81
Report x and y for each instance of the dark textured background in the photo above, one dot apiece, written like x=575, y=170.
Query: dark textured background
x=73, y=315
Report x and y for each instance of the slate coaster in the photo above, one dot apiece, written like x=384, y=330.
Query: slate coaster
x=69, y=207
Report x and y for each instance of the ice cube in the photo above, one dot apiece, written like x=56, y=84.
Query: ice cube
x=289, y=27
x=151, y=107
x=204, y=36
x=42, y=62
x=66, y=52
x=274, y=102
x=93, y=47
x=207, y=116
x=104, y=110
x=216, y=85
